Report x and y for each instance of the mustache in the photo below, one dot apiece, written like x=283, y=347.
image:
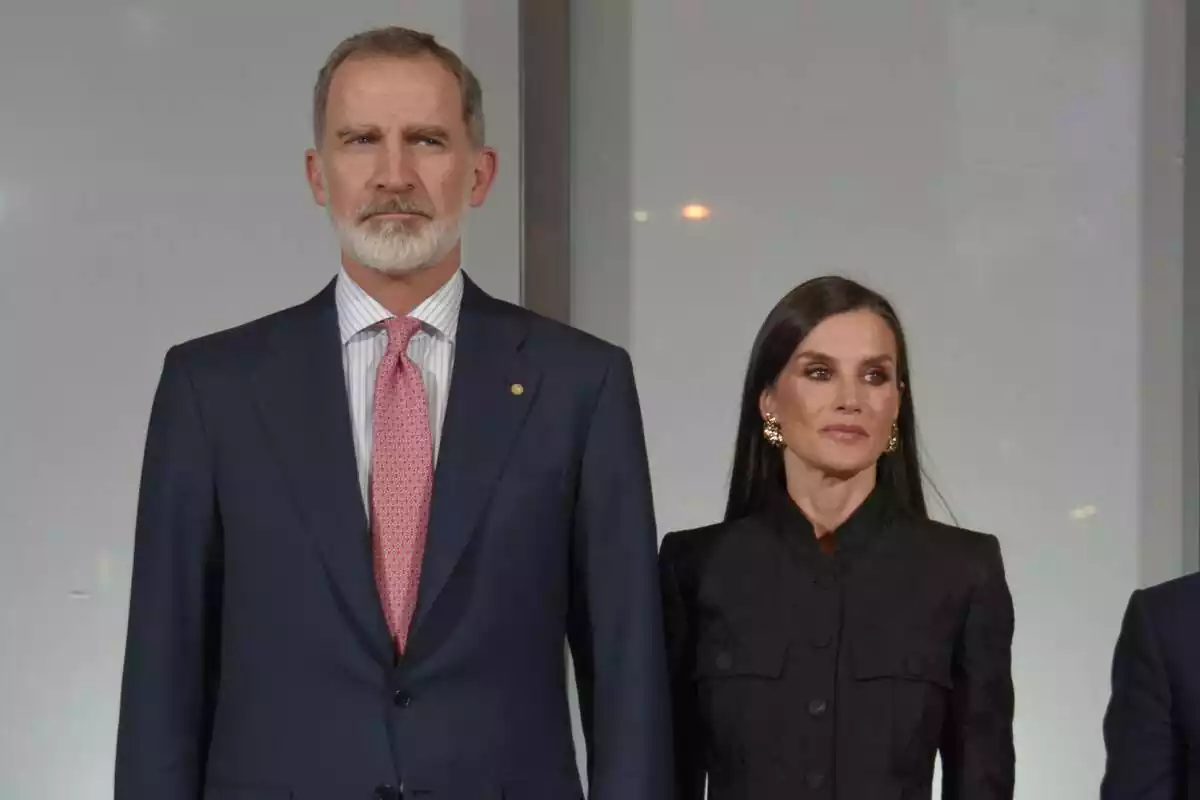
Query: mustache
x=393, y=205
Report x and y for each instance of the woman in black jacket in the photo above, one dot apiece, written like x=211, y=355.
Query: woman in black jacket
x=828, y=639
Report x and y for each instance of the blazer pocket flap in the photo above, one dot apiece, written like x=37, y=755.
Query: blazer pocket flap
x=914, y=663
x=761, y=657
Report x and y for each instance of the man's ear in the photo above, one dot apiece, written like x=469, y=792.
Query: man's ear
x=314, y=171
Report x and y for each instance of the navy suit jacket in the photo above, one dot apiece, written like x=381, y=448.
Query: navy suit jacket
x=258, y=663
x=1152, y=727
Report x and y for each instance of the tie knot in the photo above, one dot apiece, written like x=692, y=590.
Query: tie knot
x=400, y=331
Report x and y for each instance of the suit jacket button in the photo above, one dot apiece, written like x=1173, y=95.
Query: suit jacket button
x=388, y=792
x=815, y=779
x=817, y=707
x=724, y=661
x=402, y=698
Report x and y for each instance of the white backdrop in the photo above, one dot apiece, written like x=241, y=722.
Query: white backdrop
x=997, y=168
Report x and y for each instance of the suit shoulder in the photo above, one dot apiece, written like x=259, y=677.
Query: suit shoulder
x=215, y=345
x=233, y=346
x=680, y=541
x=1169, y=614
x=955, y=537
x=562, y=339
x=1180, y=595
x=684, y=550
x=971, y=549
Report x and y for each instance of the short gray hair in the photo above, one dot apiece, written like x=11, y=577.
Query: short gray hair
x=397, y=42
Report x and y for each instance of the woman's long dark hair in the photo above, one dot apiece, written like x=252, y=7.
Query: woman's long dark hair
x=757, y=466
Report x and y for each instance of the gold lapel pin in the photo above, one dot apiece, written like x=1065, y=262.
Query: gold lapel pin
x=517, y=389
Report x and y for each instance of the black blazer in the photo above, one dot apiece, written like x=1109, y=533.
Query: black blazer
x=801, y=674
x=1152, y=726
x=258, y=664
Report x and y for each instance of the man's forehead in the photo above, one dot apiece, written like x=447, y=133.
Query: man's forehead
x=382, y=79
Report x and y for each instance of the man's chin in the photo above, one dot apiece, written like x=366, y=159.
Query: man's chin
x=396, y=258
x=403, y=252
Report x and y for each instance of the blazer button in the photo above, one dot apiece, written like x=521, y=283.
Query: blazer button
x=388, y=792
x=815, y=779
x=817, y=708
x=402, y=699
x=724, y=661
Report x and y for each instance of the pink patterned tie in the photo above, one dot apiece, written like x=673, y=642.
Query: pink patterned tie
x=401, y=479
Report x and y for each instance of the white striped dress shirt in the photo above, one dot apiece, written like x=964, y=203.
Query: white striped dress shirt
x=364, y=341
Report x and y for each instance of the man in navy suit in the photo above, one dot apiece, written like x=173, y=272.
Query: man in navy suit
x=1152, y=728
x=369, y=524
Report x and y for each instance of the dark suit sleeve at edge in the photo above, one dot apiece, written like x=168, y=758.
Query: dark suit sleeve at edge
x=615, y=623
x=689, y=767
x=978, y=759
x=1144, y=760
x=169, y=676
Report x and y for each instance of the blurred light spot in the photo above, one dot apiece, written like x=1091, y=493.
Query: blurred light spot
x=79, y=595
x=641, y=216
x=1083, y=512
x=695, y=211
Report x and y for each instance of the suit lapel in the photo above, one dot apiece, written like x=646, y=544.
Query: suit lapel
x=300, y=391
x=491, y=392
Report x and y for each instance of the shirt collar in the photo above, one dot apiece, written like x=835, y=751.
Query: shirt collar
x=864, y=524
x=358, y=311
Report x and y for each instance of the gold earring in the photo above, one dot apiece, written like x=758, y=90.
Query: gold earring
x=772, y=432
x=894, y=440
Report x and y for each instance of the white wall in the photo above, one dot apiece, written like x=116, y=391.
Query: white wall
x=985, y=163
x=151, y=190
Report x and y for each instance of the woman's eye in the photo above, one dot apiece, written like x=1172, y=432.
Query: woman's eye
x=817, y=373
x=878, y=377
